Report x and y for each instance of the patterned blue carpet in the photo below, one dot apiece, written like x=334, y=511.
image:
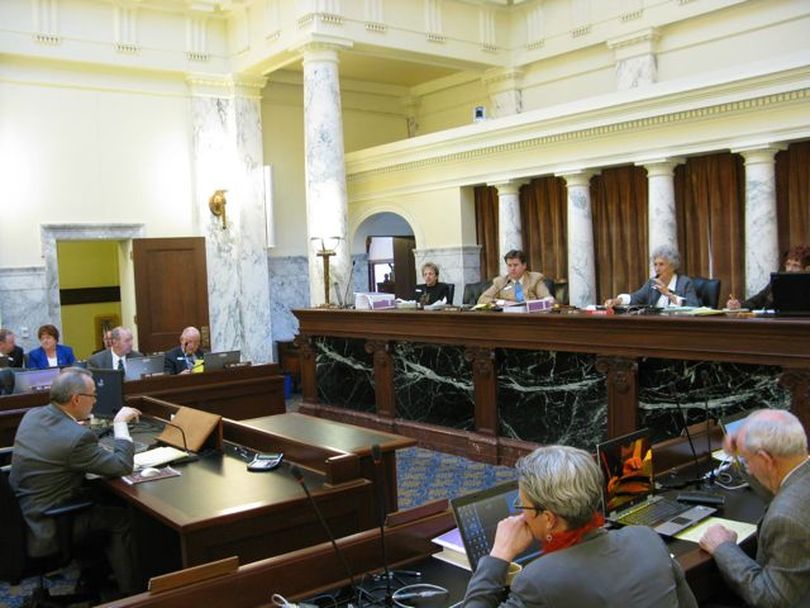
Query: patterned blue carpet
x=422, y=475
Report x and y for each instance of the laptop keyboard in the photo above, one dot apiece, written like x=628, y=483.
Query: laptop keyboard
x=652, y=513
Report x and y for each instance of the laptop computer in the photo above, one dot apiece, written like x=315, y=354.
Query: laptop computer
x=35, y=379
x=138, y=366
x=109, y=392
x=477, y=516
x=791, y=293
x=628, y=496
x=215, y=361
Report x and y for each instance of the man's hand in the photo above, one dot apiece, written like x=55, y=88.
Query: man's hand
x=715, y=536
x=512, y=537
x=127, y=414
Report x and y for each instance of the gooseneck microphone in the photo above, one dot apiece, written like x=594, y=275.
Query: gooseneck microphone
x=299, y=477
x=704, y=377
x=349, y=285
x=376, y=456
x=190, y=456
x=677, y=400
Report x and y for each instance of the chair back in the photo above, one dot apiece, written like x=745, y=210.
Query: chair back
x=473, y=291
x=12, y=534
x=451, y=287
x=707, y=290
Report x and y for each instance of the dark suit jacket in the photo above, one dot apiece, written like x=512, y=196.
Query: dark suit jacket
x=37, y=359
x=174, y=360
x=780, y=575
x=503, y=288
x=16, y=358
x=434, y=294
x=647, y=296
x=52, y=453
x=763, y=299
x=616, y=569
x=103, y=360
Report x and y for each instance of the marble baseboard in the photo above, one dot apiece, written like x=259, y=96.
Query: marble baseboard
x=726, y=388
x=344, y=373
x=433, y=384
x=551, y=397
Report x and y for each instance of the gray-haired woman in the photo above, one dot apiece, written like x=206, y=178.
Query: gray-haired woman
x=582, y=564
x=666, y=288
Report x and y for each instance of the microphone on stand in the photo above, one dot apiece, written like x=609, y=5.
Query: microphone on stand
x=704, y=376
x=336, y=287
x=190, y=456
x=677, y=400
x=376, y=456
x=348, y=286
x=299, y=477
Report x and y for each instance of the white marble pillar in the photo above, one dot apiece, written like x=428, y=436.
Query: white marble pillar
x=761, y=231
x=581, y=255
x=227, y=149
x=327, y=203
x=510, y=231
x=662, y=222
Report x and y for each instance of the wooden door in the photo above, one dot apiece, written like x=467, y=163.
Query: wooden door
x=171, y=291
x=404, y=266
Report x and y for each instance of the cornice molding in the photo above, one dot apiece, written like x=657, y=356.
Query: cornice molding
x=589, y=133
x=226, y=85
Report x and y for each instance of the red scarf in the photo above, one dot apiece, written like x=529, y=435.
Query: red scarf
x=569, y=538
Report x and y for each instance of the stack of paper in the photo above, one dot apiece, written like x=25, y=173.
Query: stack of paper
x=158, y=456
x=743, y=529
x=452, y=549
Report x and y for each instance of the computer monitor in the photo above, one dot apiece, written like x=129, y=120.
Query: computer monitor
x=791, y=293
x=138, y=366
x=109, y=392
x=34, y=379
x=215, y=361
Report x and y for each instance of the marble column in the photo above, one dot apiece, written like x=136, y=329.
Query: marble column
x=327, y=203
x=510, y=232
x=505, y=91
x=761, y=232
x=635, y=58
x=662, y=223
x=227, y=149
x=581, y=263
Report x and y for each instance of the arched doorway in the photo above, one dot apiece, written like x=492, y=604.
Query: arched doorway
x=384, y=242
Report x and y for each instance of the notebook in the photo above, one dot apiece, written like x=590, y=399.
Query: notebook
x=628, y=496
x=35, y=379
x=791, y=293
x=477, y=516
x=215, y=361
x=138, y=366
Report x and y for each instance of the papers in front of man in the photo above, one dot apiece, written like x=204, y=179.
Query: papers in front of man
x=694, y=534
x=158, y=456
x=374, y=301
x=541, y=305
x=452, y=549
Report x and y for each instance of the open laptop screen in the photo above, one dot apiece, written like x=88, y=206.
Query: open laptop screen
x=791, y=293
x=627, y=466
x=477, y=516
x=35, y=379
x=138, y=366
x=215, y=361
x=109, y=392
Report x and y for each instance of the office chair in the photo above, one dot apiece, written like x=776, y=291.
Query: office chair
x=16, y=564
x=708, y=291
x=473, y=291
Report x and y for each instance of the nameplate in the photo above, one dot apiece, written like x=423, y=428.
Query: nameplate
x=153, y=374
x=383, y=304
x=236, y=364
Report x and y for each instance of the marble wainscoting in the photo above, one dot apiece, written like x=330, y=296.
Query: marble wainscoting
x=289, y=289
x=344, y=373
x=728, y=388
x=551, y=397
x=24, y=302
x=433, y=384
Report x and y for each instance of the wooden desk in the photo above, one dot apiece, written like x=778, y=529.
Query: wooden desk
x=243, y=392
x=353, y=439
x=488, y=404
x=217, y=508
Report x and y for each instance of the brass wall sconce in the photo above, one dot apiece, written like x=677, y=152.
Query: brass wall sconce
x=217, y=204
x=328, y=249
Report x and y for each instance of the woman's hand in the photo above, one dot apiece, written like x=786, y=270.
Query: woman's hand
x=512, y=538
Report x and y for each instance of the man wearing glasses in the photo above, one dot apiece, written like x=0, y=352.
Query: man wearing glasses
x=53, y=450
x=772, y=445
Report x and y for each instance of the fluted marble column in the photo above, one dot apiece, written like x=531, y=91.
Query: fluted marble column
x=581, y=266
x=327, y=203
x=761, y=231
x=227, y=149
x=510, y=231
x=662, y=223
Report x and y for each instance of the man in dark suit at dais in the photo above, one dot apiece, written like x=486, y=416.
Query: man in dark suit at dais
x=116, y=356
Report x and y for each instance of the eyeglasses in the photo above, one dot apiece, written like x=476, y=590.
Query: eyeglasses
x=91, y=395
x=519, y=507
